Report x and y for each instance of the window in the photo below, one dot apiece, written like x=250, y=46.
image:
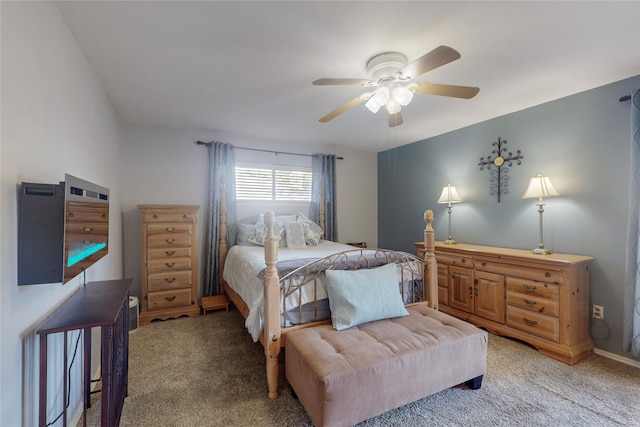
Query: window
x=279, y=182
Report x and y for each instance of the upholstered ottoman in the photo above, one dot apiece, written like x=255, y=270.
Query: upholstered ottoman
x=344, y=377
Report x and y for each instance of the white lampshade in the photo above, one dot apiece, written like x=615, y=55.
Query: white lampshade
x=449, y=195
x=372, y=104
x=539, y=186
x=393, y=107
x=402, y=95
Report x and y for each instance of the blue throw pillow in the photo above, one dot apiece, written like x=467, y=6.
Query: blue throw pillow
x=360, y=296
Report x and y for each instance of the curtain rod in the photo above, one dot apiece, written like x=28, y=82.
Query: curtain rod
x=267, y=151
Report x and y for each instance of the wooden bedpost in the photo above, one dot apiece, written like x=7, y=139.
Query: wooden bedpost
x=430, y=266
x=271, y=334
x=222, y=235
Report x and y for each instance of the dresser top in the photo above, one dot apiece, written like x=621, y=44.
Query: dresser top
x=169, y=207
x=505, y=253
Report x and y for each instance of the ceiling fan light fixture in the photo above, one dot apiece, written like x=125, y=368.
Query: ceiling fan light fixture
x=393, y=107
x=379, y=99
x=372, y=105
x=402, y=95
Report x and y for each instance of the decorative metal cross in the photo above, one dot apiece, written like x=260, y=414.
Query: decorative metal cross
x=498, y=180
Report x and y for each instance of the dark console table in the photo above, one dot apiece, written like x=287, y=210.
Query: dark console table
x=104, y=304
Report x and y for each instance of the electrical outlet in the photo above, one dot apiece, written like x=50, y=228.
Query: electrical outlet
x=598, y=311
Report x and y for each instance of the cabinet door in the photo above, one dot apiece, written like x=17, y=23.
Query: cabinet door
x=489, y=296
x=461, y=288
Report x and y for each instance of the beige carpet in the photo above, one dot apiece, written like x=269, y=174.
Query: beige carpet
x=207, y=372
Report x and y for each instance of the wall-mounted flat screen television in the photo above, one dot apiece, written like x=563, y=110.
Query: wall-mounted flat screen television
x=63, y=229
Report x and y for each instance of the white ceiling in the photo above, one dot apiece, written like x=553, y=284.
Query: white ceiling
x=242, y=71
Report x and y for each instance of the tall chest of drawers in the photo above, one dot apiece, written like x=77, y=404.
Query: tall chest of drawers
x=540, y=299
x=169, y=281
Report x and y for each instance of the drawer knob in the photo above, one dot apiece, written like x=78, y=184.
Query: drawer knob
x=103, y=216
x=547, y=274
x=87, y=242
x=170, y=253
x=154, y=216
x=463, y=260
x=529, y=322
x=87, y=229
x=170, y=229
x=170, y=241
x=169, y=264
x=529, y=288
x=169, y=299
x=173, y=279
x=484, y=264
x=529, y=302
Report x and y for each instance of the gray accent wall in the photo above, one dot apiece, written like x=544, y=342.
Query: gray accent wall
x=582, y=142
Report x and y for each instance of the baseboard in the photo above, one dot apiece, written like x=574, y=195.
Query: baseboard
x=617, y=357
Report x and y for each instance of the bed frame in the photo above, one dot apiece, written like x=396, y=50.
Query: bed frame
x=274, y=333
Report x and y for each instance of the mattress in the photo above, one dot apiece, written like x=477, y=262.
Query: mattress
x=243, y=266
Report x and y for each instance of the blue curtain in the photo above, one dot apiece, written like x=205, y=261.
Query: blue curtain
x=221, y=168
x=323, y=167
x=631, y=337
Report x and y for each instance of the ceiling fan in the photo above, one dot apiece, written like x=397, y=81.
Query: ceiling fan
x=391, y=79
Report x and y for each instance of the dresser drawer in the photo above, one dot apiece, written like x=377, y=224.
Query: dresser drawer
x=87, y=212
x=443, y=274
x=541, y=325
x=168, y=240
x=169, y=264
x=169, y=280
x=443, y=295
x=534, y=303
x=87, y=229
x=451, y=259
x=169, y=217
x=532, y=288
x=169, y=228
x=169, y=299
x=169, y=252
x=530, y=273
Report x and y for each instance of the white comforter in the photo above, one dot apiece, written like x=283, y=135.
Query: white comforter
x=244, y=263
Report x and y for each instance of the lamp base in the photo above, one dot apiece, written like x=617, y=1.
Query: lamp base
x=541, y=251
x=450, y=242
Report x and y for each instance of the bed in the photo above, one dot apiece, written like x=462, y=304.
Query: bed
x=279, y=290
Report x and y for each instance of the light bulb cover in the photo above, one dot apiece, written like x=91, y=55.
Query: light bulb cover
x=393, y=107
x=372, y=105
x=402, y=95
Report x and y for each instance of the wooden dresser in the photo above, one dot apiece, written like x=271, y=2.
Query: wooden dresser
x=87, y=226
x=169, y=262
x=540, y=299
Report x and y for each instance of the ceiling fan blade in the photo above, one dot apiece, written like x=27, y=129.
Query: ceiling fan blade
x=395, y=119
x=436, y=58
x=465, y=92
x=346, y=106
x=347, y=82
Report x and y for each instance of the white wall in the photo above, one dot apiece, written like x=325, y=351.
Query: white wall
x=56, y=119
x=165, y=166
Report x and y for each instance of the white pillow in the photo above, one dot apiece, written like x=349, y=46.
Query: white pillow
x=244, y=230
x=312, y=232
x=259, y=234
x=295, y=234
x=361, y=296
